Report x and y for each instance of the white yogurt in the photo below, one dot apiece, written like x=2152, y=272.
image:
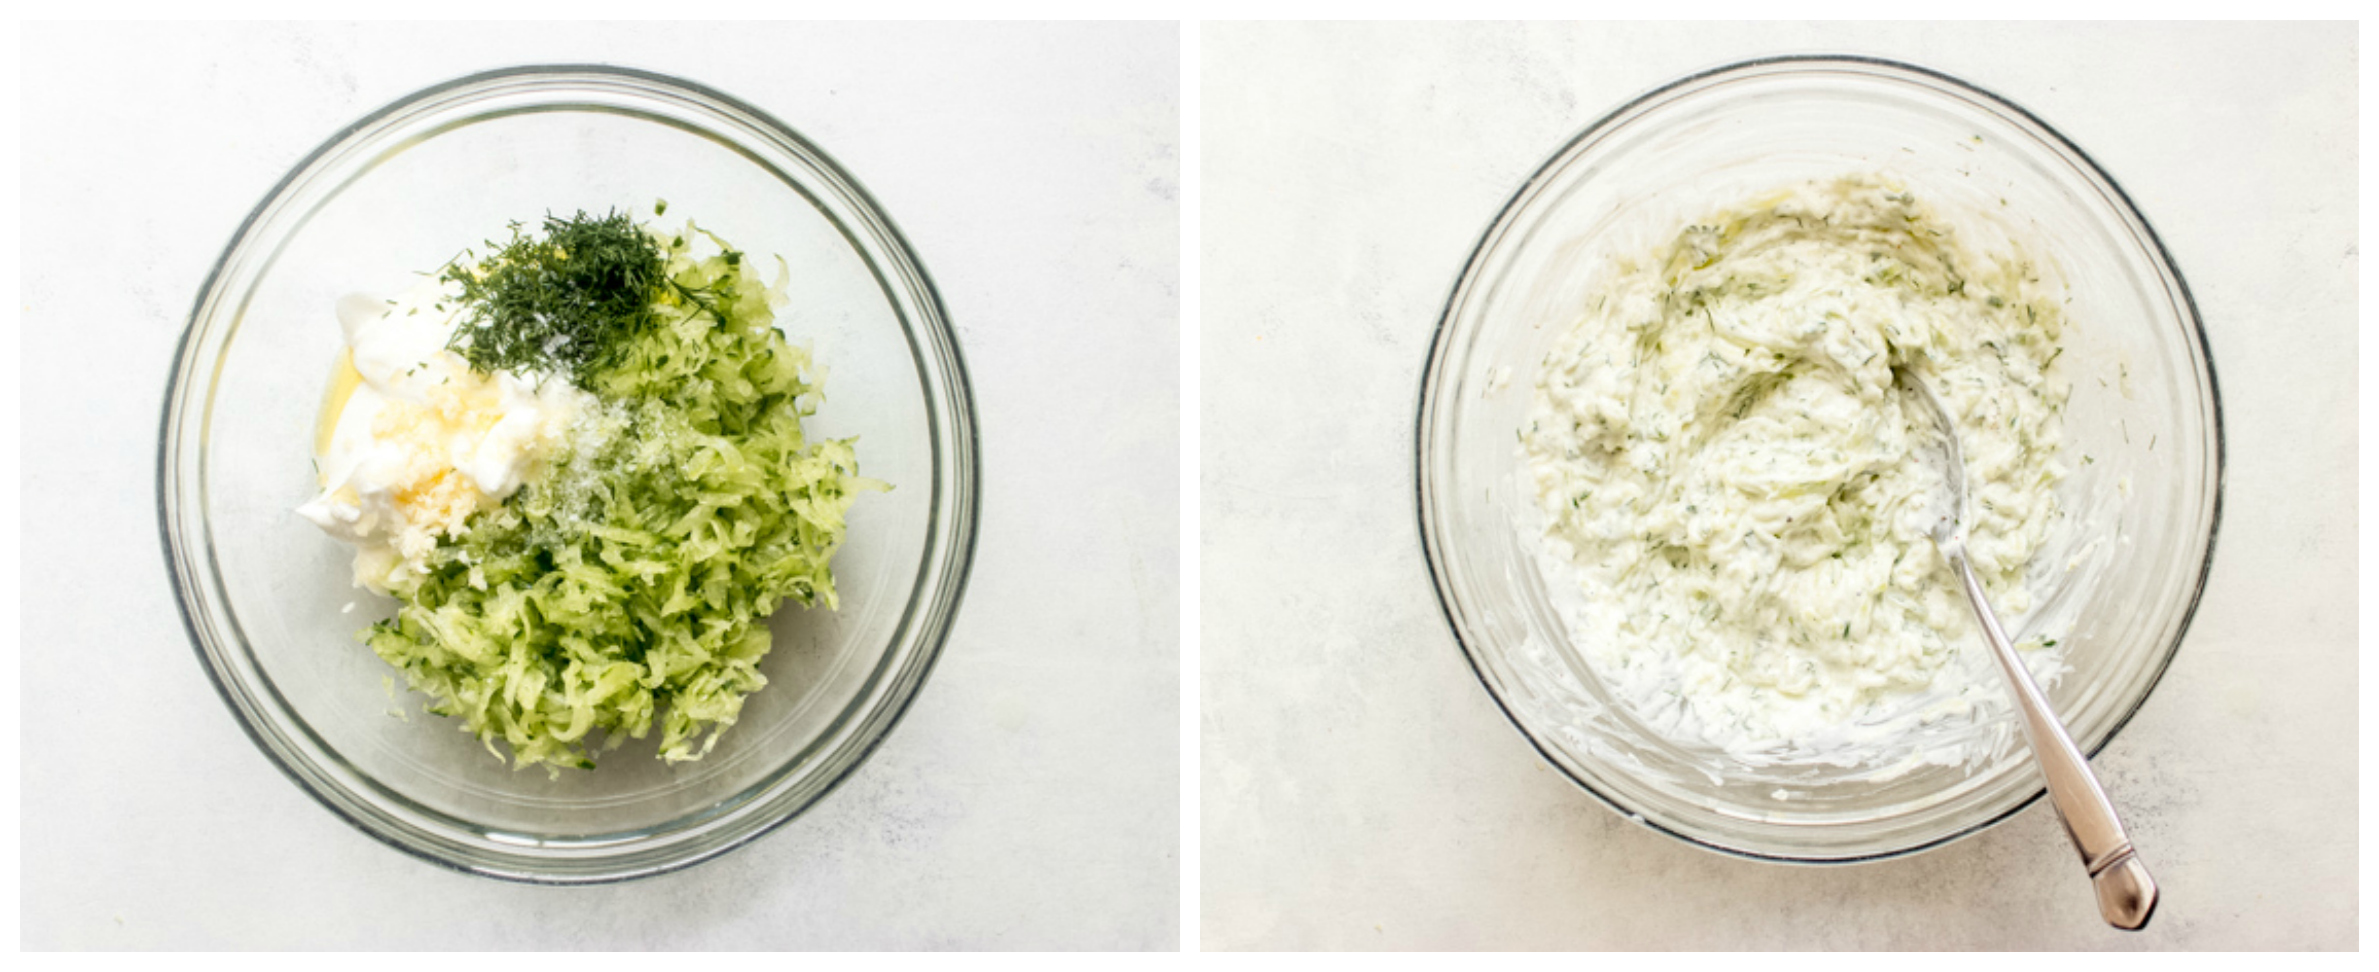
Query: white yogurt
x=412, y=441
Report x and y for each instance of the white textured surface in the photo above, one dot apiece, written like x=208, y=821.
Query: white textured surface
x=1360, y=788
x=1029, y=799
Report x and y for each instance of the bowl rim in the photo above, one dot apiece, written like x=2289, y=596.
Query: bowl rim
x=1464, y=281
x=945, y=569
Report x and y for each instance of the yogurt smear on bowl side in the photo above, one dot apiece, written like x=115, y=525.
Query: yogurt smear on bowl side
x=1726, y=469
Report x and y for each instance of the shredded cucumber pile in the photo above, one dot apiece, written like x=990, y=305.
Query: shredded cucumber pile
x=635, y=577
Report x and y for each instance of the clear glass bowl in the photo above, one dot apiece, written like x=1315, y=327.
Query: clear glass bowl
x=2144, y=409
x=268, y=599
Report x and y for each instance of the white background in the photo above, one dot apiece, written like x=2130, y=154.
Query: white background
x=1030, y=797
x=1359, y=787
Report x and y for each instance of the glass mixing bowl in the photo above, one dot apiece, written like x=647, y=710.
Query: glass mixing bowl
x=267, y=596
x=2144, y=410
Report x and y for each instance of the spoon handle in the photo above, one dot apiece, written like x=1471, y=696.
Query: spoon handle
x=2126, y=894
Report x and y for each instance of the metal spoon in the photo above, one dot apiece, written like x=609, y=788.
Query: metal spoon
x=2126, y=894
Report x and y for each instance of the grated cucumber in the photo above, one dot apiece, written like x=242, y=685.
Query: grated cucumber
x=633, y=580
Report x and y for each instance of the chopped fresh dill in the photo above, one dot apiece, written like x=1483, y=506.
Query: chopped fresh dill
x=567, y=300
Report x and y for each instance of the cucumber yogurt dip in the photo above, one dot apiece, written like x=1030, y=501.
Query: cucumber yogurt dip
x=1726, y=469
x=579, y=464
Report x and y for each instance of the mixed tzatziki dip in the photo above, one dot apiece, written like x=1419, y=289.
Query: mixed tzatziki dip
x=1725, y=466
